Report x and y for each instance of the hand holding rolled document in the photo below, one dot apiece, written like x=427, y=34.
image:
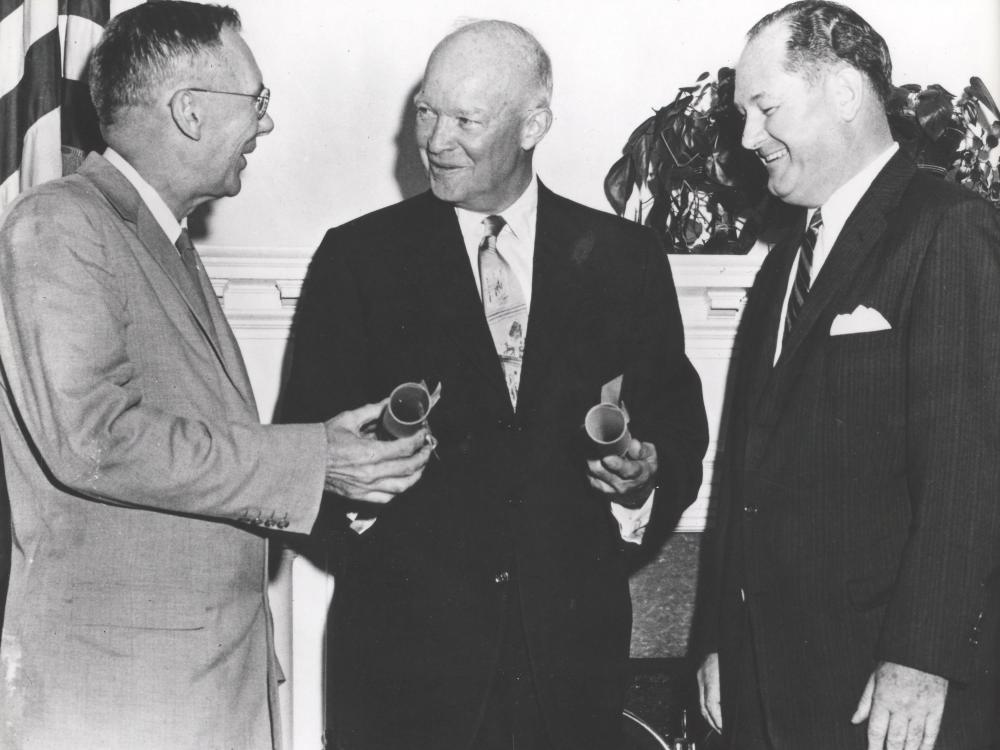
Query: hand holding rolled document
x=621, y=467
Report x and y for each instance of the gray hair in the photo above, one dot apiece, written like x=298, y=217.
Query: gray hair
x=535, y=58
x=145, y=47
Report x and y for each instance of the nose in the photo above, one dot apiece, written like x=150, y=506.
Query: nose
x=265, y=124
x=439, y=138
x=752, y=131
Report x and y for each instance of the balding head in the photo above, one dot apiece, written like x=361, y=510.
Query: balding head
x=481, y=109
x=502, y=44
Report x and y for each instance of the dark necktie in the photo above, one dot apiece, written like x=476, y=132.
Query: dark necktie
x=504, y=305
x=190, y=260
x=800, y=288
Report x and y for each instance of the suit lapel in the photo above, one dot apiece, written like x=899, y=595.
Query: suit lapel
x=126, y=201
x=857, y=240
x=447, y=286
x=556, y=288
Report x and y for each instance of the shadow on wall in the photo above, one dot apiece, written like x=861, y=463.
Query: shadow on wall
x=409, y=170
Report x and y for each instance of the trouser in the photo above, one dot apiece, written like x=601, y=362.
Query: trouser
x=513, y=716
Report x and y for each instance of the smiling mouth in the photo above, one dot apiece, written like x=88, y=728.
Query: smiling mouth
x=773, y=156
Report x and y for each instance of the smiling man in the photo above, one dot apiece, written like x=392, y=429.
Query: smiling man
x=139, y=476
x=493, y=610
x=855, y=594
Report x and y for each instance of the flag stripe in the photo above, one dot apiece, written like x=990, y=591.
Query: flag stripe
x=93, y=10
x=79, y=36
x=9, y=6
x=36, y=94
x=11, y=49
x=79, y=119
x=42, y=150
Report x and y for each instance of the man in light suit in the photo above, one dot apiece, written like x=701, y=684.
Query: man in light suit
x=856, y=588
x=140, y=478
x=489, y=607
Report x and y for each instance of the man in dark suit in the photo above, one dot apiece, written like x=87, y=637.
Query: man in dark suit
x=854, y=600
x=490, y=607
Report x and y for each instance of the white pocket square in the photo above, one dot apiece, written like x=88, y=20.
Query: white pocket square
x=862, y=320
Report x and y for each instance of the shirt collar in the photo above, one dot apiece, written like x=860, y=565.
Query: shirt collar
x=156, y=205
x=518, y=216
x=841, y=203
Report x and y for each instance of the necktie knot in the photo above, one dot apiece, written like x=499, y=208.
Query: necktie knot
x=492, y=226
x=803, y=273
x=816, y=221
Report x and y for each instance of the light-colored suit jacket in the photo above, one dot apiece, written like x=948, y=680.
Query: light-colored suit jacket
x=139, y=476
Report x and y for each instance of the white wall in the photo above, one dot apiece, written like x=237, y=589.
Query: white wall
x=342, y=72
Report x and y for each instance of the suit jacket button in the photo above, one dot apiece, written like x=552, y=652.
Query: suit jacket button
x=502, y=577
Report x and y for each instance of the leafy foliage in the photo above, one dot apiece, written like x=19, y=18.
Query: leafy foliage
x=684, y=173
x=956, y=138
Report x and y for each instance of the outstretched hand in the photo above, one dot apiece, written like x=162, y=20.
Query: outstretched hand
x=361, y=467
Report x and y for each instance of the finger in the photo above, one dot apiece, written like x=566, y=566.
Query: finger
x=399, y=468
x=914, y=734
x=635, y=450
x=626, y=469
x=931, y=728
x=878, y=725
x=865, y=703
x=895, y=736
x=366, y=413
x=715, y=715
x=601, y=486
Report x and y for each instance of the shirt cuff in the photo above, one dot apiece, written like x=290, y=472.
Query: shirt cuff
x=632, y=522
x=359, y=525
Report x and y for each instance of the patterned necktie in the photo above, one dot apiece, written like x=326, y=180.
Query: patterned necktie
x=802, y=275
x=504, y=305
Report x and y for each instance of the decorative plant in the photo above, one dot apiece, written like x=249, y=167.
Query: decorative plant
x=954, y=138
x=684, y=173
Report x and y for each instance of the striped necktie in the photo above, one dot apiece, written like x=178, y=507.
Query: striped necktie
x=803, y=274
x=504, y=305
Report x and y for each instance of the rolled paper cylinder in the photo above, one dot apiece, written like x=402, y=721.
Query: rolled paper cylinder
x=607, y=427
x=409, y=404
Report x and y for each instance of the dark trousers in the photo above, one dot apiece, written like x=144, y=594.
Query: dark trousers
x=745, y=729
x=513, y=717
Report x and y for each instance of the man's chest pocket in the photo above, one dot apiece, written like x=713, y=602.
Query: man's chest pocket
x=865, y=380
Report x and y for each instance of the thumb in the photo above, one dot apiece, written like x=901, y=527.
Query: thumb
x=865, y=704
x=356, y=418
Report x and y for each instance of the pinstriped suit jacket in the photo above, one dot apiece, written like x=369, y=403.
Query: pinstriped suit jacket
x=860, y=510
x=137, y=613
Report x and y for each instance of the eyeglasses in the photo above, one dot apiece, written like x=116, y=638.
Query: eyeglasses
x=259, y=103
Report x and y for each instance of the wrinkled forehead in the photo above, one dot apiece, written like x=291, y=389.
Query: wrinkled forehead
x=478, y=66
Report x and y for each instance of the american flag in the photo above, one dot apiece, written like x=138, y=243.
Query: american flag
x=46, y=118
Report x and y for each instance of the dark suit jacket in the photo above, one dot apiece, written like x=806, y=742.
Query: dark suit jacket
x=860, y=509
x=420, y=596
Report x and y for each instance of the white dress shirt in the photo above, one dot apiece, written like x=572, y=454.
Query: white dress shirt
x=836, y=211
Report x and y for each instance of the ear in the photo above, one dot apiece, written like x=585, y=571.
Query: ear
x=850, y=87
x=187, y=117
x=534, y=127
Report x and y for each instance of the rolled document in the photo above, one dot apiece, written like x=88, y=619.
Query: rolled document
x=408, y=408
x=607, y=427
